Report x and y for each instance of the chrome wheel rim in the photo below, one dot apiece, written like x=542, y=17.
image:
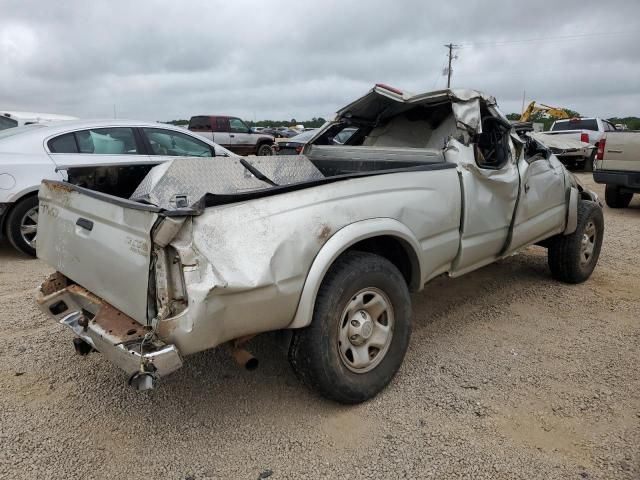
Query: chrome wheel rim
x=29, y=226
x=588, y=243
x=365, y=330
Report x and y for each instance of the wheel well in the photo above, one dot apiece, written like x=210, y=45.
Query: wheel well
x=398, y=252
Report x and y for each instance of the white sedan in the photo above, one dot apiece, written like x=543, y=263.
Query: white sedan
x=43, y=151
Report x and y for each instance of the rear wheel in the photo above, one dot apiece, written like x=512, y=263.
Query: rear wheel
x=614, y=198
x=264, y=149
x=360, y=330
x=22, y=225
x=572, y=258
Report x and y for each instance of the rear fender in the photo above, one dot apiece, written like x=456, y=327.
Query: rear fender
x=338, y=244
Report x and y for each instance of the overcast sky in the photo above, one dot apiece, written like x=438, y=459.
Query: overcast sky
x=162, y=60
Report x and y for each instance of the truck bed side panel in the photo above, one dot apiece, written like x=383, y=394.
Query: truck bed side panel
x=246, y=263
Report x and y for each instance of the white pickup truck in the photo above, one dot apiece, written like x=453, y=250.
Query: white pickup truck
x=327, y=244
x=588, y=131
x=618, y=167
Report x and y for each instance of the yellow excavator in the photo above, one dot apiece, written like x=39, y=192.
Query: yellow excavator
x=556, y=112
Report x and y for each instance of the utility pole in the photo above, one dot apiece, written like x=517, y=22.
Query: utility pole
x=452, y=57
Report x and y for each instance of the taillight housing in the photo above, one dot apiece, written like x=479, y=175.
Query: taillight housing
x=299, y=149
x=600, y=151
x=584, y=137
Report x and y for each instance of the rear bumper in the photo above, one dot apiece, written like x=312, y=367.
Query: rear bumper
x=121, y=339
x=628, y=180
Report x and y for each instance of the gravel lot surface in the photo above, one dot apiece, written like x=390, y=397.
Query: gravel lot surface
x=509, y=375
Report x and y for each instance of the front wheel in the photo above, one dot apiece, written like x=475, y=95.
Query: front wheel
x=360, y=330
x=264, y=150
x=573, y=257
x=22, y=225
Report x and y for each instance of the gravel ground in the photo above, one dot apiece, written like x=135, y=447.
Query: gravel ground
x=509, y=375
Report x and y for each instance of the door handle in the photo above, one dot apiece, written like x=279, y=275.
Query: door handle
x=231, y=136
x=526, y=188
x=614, y=151
x=84, y=223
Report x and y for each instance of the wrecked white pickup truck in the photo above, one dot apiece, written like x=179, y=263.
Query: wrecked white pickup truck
x=327, y=244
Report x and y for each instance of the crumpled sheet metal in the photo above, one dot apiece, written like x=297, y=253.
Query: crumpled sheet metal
x=489, y=197
x=560, y=142
x=194, y=177
x=247, y=262
x=467, y=114
x=465, y=104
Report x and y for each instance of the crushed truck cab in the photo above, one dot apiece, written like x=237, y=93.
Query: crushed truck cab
x=205, y=252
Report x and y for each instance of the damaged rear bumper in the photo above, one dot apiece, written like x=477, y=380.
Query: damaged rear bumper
x=125, y=342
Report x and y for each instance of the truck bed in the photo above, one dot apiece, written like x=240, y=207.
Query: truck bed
x=106, y=243
x=197, y=183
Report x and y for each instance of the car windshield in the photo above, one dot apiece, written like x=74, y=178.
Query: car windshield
x=575, y=124
x=10, y=132
x=303, y=137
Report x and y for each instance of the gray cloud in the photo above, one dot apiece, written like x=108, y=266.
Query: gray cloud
x=161, y=60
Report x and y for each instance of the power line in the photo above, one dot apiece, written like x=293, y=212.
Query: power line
x=576, y=36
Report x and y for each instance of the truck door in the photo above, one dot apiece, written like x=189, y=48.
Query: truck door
x=489, y=176
x=242, y=141
x=542, y=203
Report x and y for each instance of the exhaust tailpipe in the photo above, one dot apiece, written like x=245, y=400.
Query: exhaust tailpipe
x=241, y=356
x=244, y=358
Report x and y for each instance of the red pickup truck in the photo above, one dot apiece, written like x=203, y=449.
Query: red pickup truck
x=232, y=133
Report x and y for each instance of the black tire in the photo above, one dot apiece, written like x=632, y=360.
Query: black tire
x=588, y=162
x=314, y=352
x=614, y=198
x=567, y=258
x=264, y=150
x=14, y=222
